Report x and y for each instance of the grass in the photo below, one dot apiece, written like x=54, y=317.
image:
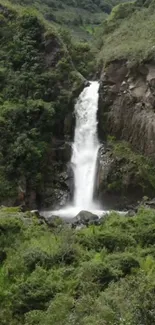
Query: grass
x=132, y=39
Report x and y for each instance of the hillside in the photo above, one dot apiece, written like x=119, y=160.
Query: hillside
x=128, y=33
x=81, y=18
x=39, y=79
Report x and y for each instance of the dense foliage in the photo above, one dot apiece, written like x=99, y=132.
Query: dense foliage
x=38, y=78
x=98, y=275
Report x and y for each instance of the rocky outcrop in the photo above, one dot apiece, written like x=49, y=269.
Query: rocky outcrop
x=120, y=185
x=127, y=104
x=127, y=113
x=53, y=50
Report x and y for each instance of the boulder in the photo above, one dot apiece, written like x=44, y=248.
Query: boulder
x=85, y=218
x=53, y=221
x=36, y=213
x=131, y=213
x=149, y=203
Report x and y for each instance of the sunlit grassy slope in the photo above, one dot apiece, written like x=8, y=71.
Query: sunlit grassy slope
x=131, y=37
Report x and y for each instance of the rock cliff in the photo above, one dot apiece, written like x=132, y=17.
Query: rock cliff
x=126, y=113
x=127, y=104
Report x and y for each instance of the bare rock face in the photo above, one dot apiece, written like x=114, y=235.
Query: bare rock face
x=53, y=49
x=127, y=105
x=127, y=112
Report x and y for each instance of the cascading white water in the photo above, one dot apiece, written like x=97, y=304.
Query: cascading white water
x=85, y=147
x=84, y=156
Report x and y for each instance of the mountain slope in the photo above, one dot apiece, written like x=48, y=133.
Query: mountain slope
x=80, y=17
x=129, y=33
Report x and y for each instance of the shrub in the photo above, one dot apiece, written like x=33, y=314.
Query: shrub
x=36, y=257
x=34, y=293
x=125, y=262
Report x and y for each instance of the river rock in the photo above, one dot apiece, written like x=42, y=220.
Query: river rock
x=148, y=203
x=35, y=213
x=53, y=221
x=85, y=218
x=130, y=213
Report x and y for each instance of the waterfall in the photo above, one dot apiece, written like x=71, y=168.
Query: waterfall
x=85, y=147
x=84, y=154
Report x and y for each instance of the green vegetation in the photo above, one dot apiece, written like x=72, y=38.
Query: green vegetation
x=128, y=33
x=38, y=82
x=98, y=275
x=80, y=17
x=102, y=274
x=144, y=167
x=134, y=169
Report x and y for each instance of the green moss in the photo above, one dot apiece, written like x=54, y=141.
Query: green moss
x=115, y=186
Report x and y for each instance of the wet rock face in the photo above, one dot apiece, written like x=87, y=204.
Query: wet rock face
x=55, y=198
x=58, y=184
x=56, y=190
x=126, y=105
